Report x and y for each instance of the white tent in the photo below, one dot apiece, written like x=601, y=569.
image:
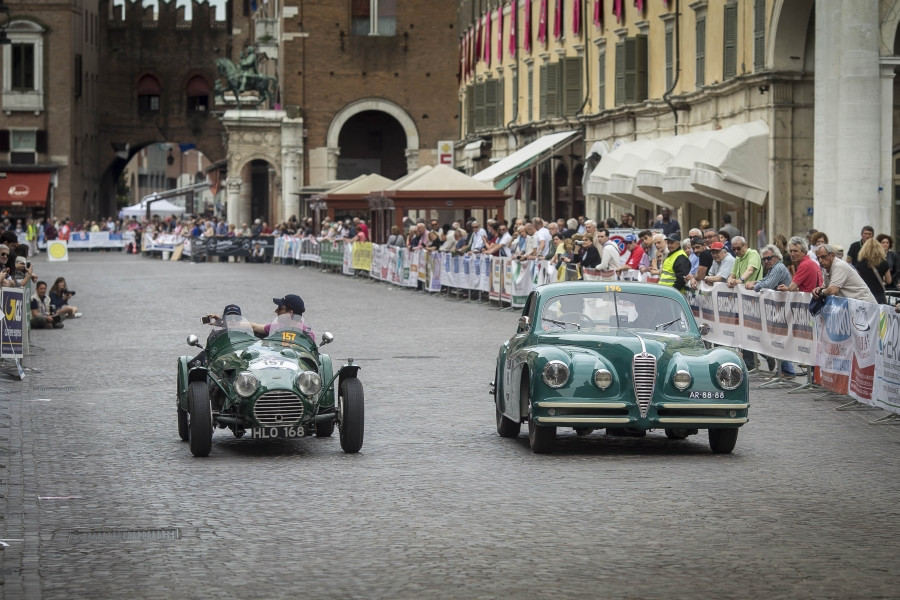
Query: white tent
x=161, y=208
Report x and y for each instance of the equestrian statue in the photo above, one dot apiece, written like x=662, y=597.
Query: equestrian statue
x=245, y=77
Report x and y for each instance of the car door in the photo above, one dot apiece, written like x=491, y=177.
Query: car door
x=516, y=357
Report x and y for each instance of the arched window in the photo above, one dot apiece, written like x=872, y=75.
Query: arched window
x=197, y=95
x=148, y=94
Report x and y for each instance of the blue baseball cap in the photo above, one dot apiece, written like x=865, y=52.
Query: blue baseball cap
x=232, y=309
x=630, y=238
x=292, y=302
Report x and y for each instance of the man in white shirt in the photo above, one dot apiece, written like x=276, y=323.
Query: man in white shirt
x=478, y=238
x=610, y=260
x=543, y=236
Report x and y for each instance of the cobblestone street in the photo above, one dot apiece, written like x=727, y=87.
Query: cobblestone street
x=436, y=505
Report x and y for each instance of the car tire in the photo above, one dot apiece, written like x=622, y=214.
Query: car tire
x=351, y=421
x=324, y=430
x=541, y=439
x=200, y=426
x=722, y=441
x=506, y=427
x=677, y=434
x=183, y=432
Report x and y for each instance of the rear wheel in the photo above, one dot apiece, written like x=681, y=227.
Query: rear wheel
x=199, y=419
x=722, y=441
x=505, y=427
x=351, y=420
x=677, y=434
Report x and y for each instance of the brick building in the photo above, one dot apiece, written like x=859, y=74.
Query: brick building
x=366, y=87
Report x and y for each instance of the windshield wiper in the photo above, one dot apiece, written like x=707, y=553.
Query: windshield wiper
x=664, y=325
x=561, y=323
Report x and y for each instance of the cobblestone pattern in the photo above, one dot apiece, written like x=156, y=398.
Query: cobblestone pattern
x=436, y=505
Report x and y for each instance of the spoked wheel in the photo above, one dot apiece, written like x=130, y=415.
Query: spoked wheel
x=722, y=441
x=324, y=429
x=199, y=419
x=183, y=424
x=351, y=418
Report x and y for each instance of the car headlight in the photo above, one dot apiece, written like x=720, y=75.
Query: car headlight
x=603, y=379
x=682, y=379
x=729, y=375
x=308, y=382
x=245, y=384
x=556, y=373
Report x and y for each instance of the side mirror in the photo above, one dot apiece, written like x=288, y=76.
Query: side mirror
x=327, y=338
x=705, y=329
x=193, y=341
x=524, y=324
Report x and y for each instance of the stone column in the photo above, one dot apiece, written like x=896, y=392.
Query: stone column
x=291, y=168
x=886, y=183
x=233, y=197
x=331, y=163
x=848, y=136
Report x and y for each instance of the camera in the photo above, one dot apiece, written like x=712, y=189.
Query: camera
x=205, y=320
x=28, y=265
x=579, y=242
x=68, y=293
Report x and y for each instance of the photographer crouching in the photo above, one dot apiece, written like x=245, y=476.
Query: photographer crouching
x=60, y=296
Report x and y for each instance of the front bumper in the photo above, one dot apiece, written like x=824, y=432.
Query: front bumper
x=661, y=415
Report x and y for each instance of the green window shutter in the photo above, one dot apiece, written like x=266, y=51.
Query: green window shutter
x=759, y=35
x=479, y=106
x=620, y=73
x=701, y=53
x=501, y=103
x=530, y=95
x=470, y=109
x=542, y=94
x=670, y=38
x=553, y=83
x=731, y=32
x=573, y=90
x=601, y=80
x=490, y=103
x=514, y=96
x=630, y=71
x=640, y=68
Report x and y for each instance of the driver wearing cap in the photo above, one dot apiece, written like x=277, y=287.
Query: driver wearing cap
x=288, y=308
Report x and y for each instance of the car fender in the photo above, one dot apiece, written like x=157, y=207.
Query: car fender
x=182, y=383
x=327, y=375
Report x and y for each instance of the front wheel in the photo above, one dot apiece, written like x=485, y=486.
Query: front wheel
x=722, y=441
x=541, y=439
x=199, y=419
x=351, y=419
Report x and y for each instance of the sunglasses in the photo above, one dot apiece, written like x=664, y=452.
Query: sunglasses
x=3, y=254
x=767, y=258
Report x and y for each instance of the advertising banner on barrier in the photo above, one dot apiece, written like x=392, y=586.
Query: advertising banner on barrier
x=521, y=282
x=886, y=390
x=332, y=253
x=12, y=328
x=347, y=264
x=309, y=250
x=833, y=351
x=362, y=256
x=496, y=286
x=434, y=272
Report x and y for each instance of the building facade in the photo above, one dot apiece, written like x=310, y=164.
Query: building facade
x=789, y=104
x=365, y=87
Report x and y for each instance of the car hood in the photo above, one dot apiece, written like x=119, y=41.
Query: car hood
x=623, y=345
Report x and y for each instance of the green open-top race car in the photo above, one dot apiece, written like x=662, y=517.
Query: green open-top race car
x=280, y=386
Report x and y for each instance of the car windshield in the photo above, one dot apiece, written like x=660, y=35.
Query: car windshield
x=287, y=321
x=602, y=311
x=234, y=323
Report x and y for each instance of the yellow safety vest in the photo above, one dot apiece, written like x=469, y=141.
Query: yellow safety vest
x=667, y=276
x=31, y=232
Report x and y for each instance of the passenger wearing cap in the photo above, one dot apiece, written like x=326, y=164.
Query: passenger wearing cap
x=676, y=266
x=722, y=263
x=704, y=261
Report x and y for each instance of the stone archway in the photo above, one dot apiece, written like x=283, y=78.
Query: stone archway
x=358, y=107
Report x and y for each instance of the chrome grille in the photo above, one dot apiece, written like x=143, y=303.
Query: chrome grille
x=644, y=371
x=278, y=408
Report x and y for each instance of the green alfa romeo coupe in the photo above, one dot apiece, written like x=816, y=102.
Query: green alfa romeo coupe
x=624, y=357
x=281, y=386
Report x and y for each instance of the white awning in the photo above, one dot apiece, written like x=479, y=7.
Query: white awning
x=473, y=149
x=499, y=173
x=729, y=165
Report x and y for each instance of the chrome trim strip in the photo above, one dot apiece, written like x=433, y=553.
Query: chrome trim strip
x=597, y=419
x=551, y=404
x=702, y=420
x=694, y=406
